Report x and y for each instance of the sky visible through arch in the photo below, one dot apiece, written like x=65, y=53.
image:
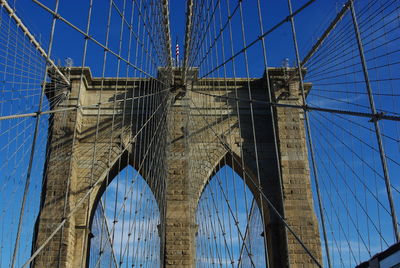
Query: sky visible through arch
x=127, y=217
x=355, y=186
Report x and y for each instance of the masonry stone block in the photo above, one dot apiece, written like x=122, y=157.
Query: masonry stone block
x=86, y=148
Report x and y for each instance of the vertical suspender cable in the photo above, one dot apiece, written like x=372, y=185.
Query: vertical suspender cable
x=274, y=129
x=310, y=143
x=35, y=134
x=253, y=126
x=188, y=37
x=78, y=105
x=375, y=120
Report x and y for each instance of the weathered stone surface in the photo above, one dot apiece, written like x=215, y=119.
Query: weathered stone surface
x=195, y=151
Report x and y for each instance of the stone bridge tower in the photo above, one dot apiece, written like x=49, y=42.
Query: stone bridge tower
x=70, y=171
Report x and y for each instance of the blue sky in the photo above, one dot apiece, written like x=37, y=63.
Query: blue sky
x=279, y=43
x=346, y=149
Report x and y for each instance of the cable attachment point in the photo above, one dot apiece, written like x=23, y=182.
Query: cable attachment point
x=377, y=116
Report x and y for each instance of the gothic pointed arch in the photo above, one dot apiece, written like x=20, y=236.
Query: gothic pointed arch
x=230, y=222
x=125, y=219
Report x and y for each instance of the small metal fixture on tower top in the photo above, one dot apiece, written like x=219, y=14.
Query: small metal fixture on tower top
x=69, y=62
x=286, y=63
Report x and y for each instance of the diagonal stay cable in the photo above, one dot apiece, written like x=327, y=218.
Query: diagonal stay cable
x=246, y=232
x=19, y=23
x=33, y=147
x=307, y=107
x=274, y=209
x=338, y=170
x=80, y=201
x=141, y=165
x=106, y=48
x=96, y=105
x=260, y=37
x=108, y=233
